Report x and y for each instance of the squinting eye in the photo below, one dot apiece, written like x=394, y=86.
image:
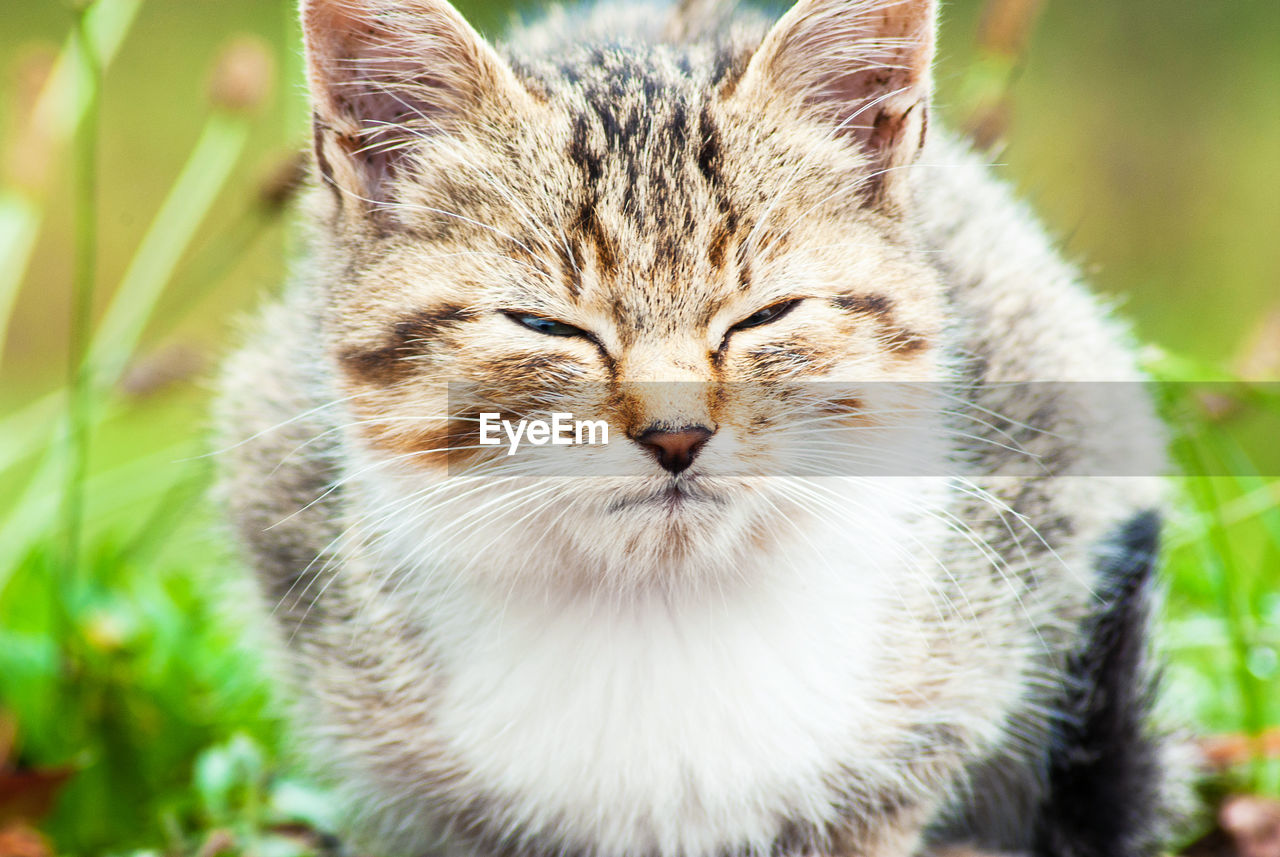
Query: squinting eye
x=548, y=326
x=767, y=315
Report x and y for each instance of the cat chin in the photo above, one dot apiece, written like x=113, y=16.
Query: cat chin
x=617, y=537
x=653, y=543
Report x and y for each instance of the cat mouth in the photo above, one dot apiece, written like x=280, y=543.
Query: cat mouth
x=676, y=495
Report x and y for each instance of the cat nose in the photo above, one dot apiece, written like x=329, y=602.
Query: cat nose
x=675, y=449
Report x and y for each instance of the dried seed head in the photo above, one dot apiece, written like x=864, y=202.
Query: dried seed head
x=281, y=183
x=243, y=75
x=1007, y=26
x=29, y=157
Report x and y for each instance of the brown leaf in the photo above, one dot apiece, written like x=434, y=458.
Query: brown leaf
x=29, y=795
x=8, y=739
x=18, y=840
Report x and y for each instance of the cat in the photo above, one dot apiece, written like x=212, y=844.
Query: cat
x=667, y=648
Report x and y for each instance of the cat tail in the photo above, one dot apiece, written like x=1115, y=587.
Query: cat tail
x=1117, y=785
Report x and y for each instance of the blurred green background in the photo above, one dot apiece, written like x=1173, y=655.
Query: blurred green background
x=139, y=218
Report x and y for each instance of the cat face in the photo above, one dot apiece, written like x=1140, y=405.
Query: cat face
x=705, y=245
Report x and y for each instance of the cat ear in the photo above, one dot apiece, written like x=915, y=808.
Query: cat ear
x=387, y=74
x=861, y=67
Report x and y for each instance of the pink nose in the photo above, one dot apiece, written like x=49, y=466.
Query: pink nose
x=675, y=450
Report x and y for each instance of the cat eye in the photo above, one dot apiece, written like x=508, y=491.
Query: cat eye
x=547, y=326
x=768, y=315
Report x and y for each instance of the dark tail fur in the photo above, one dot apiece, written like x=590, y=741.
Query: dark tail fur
x=1106, y=776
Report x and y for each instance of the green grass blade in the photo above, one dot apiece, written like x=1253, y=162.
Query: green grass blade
x=19, y=226
x=64, y=100
x=171, y=232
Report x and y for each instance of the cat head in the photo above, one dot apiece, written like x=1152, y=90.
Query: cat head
x=675, y=237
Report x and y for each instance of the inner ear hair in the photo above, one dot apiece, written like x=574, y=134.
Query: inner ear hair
x=386, y=75
x=862, y=69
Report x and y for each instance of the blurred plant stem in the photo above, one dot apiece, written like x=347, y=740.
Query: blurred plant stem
x=66, y=96
x=79, y=402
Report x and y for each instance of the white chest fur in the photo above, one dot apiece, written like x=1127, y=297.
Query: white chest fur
x=680, y=727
